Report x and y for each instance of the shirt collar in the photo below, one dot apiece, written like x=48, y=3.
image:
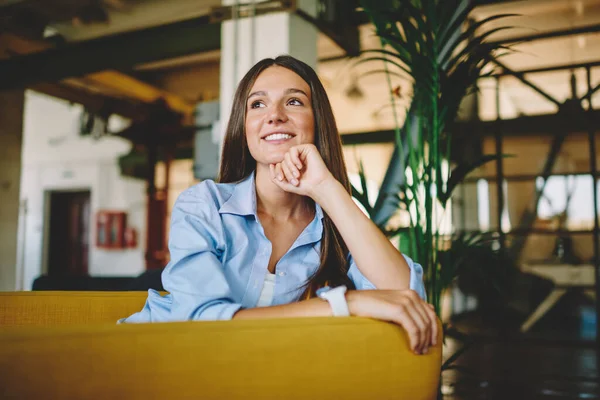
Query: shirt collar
x=245, y=190
x=242, y=200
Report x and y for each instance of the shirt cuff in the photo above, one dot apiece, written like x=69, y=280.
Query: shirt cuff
x=416, y=278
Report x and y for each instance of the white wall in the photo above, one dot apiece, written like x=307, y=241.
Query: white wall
x=55, y=157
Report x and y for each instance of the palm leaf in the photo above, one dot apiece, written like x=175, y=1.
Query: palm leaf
x=475, y=42
x=446, y=48
x=362, y=195
x=457, y=19
x=444, y=57
x=460, y=172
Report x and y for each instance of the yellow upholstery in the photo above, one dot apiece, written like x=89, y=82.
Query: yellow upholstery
x=315, y=358
x=67, y=308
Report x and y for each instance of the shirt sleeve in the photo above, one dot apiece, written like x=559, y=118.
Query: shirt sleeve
x=416, y=277
x=194, y=277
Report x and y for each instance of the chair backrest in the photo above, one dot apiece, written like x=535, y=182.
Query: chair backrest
x=50, y=308
x=292, y=359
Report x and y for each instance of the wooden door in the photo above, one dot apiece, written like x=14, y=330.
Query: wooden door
x=68, y=244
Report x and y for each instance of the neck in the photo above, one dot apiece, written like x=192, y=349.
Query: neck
x=275, y=202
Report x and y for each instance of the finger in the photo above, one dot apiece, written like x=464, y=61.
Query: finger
x=275, y=176
x=434, y=325
x=289, y=175
x=290, y=164
x=404, y=319
x=279, y=172
x=422, y=322
x=295, y=156
x=431, y=314
x=425, y=312
x=272, y=171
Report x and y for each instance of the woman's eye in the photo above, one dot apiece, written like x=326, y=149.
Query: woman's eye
x=256, y=104
x=295, y=102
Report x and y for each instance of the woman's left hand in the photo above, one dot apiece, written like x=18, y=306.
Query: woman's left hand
x=302, y=171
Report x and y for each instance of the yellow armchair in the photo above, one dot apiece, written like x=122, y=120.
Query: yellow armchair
x=66, y=345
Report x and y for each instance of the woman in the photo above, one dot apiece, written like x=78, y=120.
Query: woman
x=281, y=223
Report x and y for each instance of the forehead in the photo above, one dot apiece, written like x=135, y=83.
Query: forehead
x=276, y=78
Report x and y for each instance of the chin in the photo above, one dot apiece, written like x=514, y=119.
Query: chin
x=275, y=157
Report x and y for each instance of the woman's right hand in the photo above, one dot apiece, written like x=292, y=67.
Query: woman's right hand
x=402, y=307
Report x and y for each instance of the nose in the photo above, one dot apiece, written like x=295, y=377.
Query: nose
x=277, y=114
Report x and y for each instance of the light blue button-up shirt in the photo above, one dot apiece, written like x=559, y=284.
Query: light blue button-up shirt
x=220, y=255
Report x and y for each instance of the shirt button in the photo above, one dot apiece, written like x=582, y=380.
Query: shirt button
x=281, y=273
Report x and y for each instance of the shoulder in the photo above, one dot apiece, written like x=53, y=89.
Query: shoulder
x=208, y=192
x=198, y=208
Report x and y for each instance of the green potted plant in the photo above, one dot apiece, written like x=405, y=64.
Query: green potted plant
x=433, y=44
x=442, y=53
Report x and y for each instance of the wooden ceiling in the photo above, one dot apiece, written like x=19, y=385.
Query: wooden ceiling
x=29, y=26
x=33, y=26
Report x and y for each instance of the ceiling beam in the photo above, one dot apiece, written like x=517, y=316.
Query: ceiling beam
x=141, y=91
x=542, y=125
x=117, y=82
x=124, y=51
x=551, y=68
x=120, y=51
x=550, y=35
x=6, y=3
x=94, y=102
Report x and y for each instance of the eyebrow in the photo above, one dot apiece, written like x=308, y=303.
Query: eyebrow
x=287, y=91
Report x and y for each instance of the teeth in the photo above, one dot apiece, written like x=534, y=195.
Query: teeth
x=278, y=136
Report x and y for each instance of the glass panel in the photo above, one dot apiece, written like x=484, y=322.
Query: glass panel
x=487, y=170
x=580, y=212
x=528, y=154
x=466, y=207
x=583, y=247
x=540, y=248
x=565, y=202
x=493, y=207
x=574, y=156
x=520, y=197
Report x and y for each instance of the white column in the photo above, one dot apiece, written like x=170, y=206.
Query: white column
x=246, y=41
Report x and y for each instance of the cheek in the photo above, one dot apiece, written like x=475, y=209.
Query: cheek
x=252, y=132
x=251, y=126
x=308, y=125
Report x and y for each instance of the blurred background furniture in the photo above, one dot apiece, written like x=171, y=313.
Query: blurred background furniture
x=564, y=277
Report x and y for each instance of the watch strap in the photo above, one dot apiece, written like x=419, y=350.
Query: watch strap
x=336, y=298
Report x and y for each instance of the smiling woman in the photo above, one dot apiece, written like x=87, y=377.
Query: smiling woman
x=279, y=233
x=279, y=115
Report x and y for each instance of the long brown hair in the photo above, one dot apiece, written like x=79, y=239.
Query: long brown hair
x=237, y=163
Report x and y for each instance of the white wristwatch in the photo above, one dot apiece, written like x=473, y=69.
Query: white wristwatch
x=336, y=298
